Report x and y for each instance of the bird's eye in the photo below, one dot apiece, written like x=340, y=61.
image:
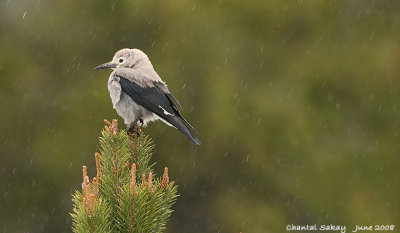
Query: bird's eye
x=121, y=60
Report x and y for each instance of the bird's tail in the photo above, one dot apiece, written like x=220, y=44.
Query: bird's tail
x=181, y=124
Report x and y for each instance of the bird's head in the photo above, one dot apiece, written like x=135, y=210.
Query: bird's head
x=126, y=58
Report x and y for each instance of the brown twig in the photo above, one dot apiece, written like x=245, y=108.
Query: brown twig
x=132, y=190
x=133, y=179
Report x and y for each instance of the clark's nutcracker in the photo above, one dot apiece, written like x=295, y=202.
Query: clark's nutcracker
x=139, y=95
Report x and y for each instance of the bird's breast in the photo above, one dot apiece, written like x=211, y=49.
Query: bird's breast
x=115, y=90
x=124, y=104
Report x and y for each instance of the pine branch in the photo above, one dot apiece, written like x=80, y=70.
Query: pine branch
x=123, y=196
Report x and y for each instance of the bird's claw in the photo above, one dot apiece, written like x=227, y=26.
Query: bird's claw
x=134, y=129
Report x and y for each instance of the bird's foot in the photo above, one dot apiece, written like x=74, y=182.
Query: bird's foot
x=138, y=130
x=134, y=128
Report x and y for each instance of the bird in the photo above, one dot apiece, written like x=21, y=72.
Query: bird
x=140, y=96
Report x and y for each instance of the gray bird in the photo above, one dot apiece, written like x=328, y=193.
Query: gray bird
x=140, y=96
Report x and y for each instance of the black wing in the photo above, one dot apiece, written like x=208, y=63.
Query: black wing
x=159, y=103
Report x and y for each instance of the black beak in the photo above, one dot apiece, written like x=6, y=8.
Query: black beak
x=106, y=66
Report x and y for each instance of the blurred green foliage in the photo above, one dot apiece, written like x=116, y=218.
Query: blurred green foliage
x=297, y=104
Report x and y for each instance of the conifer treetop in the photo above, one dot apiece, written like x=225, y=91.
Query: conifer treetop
x=125, y=195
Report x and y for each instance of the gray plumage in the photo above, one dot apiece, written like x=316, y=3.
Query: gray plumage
x=139, y=95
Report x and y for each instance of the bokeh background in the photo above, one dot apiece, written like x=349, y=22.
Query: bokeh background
x=297, y=104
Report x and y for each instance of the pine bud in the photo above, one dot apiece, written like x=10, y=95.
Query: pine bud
x=98, y=168
x=96, y=187
x=165, y=179
x=92, y=202
x=87, y=188
x=107, y=123
x=84, y=173
x=150, y=182
x=84, y=204
x=114, y=127
x=107, y=129
x=143, y=179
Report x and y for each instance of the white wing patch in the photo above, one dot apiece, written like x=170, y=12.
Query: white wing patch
x=165, y=112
